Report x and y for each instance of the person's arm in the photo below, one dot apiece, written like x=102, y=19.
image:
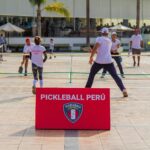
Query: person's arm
x=142, y=44
x=93, y=51
x=30, y=55
x=45, y=56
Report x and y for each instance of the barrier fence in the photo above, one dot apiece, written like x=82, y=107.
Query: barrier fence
x=73, y=65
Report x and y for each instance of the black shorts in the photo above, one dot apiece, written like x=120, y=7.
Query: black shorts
x=27, y=57
x=136, y=51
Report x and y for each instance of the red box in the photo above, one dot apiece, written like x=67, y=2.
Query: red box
x=72, y=108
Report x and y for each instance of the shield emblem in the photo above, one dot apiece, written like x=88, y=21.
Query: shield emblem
x=73, y=111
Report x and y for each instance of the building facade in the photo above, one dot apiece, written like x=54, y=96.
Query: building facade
x=102, y=13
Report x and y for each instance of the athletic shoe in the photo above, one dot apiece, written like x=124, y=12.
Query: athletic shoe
x=122, y=75
x=54, y=56
x=50, y=57
x=20, y=70
x=102, y=76
x=125, y=94
x=33, y=89
x=25, y=74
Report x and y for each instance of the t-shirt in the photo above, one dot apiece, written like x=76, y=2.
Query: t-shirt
x=51, y=45
x=136, y=41
x=104, y=51
x=27, y=48
x=115, y=46
x=37, y=55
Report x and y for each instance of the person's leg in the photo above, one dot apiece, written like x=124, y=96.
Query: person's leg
x=103, y=73
x=34, y=71
x=26, y=66
x=94, y=69
x=134, y=53
x=23, y=60
x=138, y=60
x=50, y=51
x=139, y=53
x=40, y=71
x=111, y=69
x=118, y=61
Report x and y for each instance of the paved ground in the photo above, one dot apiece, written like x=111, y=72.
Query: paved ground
x=130, y=117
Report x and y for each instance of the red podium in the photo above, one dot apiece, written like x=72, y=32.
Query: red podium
x=72, y=108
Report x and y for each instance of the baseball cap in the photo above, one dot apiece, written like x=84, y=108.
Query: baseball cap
x=27, y=39
x=114, y=33
x=104, y=30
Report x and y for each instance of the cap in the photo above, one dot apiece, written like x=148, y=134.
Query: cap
x=27, y=39
x=114, y=33
x=104, y=30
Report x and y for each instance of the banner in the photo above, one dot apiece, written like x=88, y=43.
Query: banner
x=72, y=108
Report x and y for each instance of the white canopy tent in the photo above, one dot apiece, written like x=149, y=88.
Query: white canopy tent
x=8, y=27
x=120, y=28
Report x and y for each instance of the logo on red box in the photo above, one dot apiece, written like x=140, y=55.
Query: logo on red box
x=73, y=111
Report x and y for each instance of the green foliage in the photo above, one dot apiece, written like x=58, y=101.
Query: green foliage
x=59, y=8
x=37, y=2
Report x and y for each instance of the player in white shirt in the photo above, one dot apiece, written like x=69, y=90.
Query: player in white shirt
x=26, y=52
x=136, y=43
x=51, y=48
x=115, y=54
x=104, y=60
x=36, y=54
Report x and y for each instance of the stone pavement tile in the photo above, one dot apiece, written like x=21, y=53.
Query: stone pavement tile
x=10, y=141
x=53, y=146
x=30, y=147
x=8, y=146
x=33, y=136
x=136, y=146
x=113, y=147
x=89, y=140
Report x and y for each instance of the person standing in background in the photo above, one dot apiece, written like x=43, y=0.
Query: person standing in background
x=115, y=54
x=26, y=52
x=136, y=44
x=51, y=48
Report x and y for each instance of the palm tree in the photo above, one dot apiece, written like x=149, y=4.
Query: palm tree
x=88, y=22
x=56, y=7
x=138, y=14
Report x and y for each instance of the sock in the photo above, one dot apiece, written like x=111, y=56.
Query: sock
x=34, y=83
x=41, y=83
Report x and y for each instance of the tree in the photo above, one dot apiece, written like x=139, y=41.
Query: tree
x=56, y=7
x=138, y=14
x=88, y=22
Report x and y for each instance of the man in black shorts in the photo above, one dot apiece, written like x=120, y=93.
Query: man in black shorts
x=136, y=44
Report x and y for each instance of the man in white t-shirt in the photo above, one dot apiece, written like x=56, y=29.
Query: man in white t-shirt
x=115, y=54
x=136, y=43
x=36, y=54
x=26, y=52
x=104, y=60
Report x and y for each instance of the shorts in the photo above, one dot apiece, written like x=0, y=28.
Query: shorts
x=136, y=51
x=27, y=57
